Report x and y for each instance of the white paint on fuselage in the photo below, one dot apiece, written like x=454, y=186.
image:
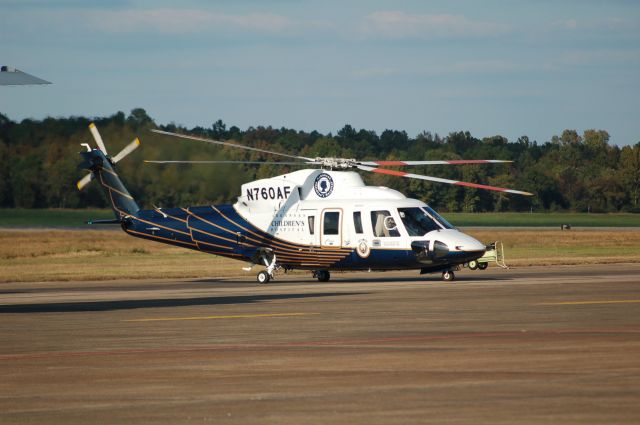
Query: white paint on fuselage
x=299, y=218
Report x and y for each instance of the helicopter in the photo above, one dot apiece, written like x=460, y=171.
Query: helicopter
x=320, y=219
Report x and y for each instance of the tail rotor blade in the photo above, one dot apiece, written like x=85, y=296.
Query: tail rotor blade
x=440, y=180
x=84, y=181
x=97, y=138
x=127, y=150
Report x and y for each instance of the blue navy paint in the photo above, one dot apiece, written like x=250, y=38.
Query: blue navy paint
x=379, y=259
x=393, y=259
x=151, y=224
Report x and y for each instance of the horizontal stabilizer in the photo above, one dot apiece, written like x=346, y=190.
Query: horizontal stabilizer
x=107, y=221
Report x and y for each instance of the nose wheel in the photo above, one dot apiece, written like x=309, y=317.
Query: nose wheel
x=448, y=276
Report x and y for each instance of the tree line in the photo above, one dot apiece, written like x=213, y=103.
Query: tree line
x=573, y=171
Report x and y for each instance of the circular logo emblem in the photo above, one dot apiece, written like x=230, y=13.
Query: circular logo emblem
x=363, y=249
x=323, y=185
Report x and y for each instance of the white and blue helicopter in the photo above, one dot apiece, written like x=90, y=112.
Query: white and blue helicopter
x=321, y=220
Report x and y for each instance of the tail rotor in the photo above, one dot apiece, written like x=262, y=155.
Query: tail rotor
x=92, y=163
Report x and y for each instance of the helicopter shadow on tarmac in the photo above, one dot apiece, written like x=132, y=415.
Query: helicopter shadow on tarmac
x=460, y=280
x=100, y=306
x=345, y=278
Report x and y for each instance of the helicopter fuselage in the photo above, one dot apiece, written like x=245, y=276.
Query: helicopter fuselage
x=316, y=220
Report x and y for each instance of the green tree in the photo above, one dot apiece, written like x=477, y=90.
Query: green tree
x=139, y=119
x=219, y=130
x=630, y=172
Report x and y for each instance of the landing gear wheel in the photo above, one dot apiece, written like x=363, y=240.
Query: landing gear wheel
x=448, y=276
x=323, y=276
x=263, y=278
x=483, y=266
x=473, y=264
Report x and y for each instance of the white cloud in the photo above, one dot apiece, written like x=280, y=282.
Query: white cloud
x=401, y=25
x=458, y=93
x=375, y=72
x=472, y=67
x=178, y=21
x=605, y=25
x=601, y=57
x=569, y=24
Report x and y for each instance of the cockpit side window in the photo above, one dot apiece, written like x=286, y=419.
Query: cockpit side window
x=440, y=219
x=383, y=225
x=417, y=222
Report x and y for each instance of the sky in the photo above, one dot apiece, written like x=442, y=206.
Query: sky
x=493, y=67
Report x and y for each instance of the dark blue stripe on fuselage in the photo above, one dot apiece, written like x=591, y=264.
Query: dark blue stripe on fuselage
x=151, y=224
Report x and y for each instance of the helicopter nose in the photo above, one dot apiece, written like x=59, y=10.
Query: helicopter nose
x=465, y=243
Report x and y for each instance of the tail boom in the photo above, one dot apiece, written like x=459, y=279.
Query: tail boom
x=102, y=170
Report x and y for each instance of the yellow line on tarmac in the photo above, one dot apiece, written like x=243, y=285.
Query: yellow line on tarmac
x=238, y=316
x=592, y=302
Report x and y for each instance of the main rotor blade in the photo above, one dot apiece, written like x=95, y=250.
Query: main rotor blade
x=233, y=145
x=97, y=138
x=127, y=150
x=440, y=180
x=449, y=162
x=225, y=162
x=84, y=181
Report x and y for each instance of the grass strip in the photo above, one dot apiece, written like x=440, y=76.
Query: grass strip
x=52, y=255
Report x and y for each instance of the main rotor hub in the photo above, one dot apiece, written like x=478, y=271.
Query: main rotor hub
x=336, y=163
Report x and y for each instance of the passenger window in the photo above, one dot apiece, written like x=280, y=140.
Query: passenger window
x=312, y=224
x=357, y=221
x=331, y=225
x=383, y=225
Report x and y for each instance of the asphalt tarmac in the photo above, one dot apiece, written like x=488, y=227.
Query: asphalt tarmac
x=536, y=345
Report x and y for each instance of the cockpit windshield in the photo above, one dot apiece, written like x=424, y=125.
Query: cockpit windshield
x=417, y=222
x=440, y=219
